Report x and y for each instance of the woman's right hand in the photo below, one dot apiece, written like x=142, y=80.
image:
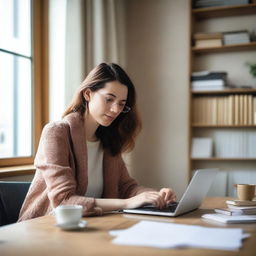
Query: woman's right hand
x=148, y=197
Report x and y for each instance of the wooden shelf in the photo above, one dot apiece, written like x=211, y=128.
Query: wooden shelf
x=223, y=159
x=222, y=126
x=205, y=20
x=226, y=91
x=224, y=11
x=225, y=48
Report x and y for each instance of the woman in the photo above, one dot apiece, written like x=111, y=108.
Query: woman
x=79, y=158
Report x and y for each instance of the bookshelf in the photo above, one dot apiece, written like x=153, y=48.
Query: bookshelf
x=201, y=59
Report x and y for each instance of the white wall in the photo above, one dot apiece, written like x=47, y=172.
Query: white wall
x=157, y=43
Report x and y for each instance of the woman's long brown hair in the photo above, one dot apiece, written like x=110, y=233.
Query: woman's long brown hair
x=120, y=136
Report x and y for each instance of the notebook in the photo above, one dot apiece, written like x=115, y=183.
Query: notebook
x=191, y=199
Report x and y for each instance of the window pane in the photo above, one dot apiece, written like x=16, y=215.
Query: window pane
x=15, y=29
x=15, y=106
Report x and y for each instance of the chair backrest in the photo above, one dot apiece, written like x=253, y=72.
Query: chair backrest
x=12, y=195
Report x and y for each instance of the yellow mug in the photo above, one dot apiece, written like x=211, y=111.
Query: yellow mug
x=245, y=191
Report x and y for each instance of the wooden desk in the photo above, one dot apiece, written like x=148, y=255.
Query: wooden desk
x=40, y=237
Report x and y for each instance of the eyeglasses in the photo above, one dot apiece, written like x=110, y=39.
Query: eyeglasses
x=109, y=101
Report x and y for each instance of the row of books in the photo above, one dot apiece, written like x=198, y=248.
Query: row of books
x=225, y=144
x=205, y=40
x=214, y=3
x=206, y=80
x=234, y=144
x=238, y=109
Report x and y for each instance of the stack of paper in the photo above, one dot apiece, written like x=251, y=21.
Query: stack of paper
x=169, y=235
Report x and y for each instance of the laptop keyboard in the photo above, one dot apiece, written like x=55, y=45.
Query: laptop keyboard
x=170, y=208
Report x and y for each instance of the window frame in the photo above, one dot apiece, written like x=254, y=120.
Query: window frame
x=40, y=109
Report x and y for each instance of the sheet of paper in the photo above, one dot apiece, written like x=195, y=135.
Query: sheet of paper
x=169, y=235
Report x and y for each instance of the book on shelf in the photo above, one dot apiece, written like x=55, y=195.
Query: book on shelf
x=228, y=211
x=211, y=88
x=206, y=80
x=208, y=75
x=201, y=148
x=254, y=110
x=208, y=43
x=203, y=36
x=204, y=40
x=209, y=83
x=236, y=37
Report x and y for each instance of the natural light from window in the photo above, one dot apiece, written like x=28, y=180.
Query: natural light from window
x=15, y=79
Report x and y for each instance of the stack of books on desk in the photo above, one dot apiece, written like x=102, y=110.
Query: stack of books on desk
x=236, y=212
x=206, y=80
x=236, y=207
x=206, y=40
x=236, y=37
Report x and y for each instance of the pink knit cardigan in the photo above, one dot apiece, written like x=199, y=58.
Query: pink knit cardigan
x=61, y=171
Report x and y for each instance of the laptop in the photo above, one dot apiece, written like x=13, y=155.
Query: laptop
x=191, y=199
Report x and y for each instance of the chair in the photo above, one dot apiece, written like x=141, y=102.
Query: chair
x=12, y=195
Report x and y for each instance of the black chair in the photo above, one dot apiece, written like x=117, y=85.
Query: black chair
x=12, y=195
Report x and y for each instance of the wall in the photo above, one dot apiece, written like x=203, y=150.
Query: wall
x=157, y=47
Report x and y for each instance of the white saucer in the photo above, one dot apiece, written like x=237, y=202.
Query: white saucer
x=81, y=224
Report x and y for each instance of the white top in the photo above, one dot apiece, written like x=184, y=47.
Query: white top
x=95, y=166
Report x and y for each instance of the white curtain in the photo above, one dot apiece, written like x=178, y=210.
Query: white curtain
x=83, y=33
x=105, y=32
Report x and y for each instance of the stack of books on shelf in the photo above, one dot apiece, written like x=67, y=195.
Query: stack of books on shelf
x=235, y=212
x=206, y=40
x=212, y=3
x=236, y=37
x=206, y=80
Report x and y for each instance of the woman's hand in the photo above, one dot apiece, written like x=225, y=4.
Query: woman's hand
x=168, y=195
x=159, y=199
x=148, y=197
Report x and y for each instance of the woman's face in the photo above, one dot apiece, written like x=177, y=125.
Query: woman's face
x=104, y=105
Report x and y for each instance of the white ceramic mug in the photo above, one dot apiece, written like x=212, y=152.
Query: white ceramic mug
x=68, y=214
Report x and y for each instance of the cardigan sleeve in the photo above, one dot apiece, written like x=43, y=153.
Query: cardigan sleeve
x=52, y=160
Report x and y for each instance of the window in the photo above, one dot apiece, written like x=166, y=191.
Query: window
x=23, y=79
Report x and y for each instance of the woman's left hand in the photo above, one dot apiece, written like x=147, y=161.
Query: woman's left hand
x=168, y=195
